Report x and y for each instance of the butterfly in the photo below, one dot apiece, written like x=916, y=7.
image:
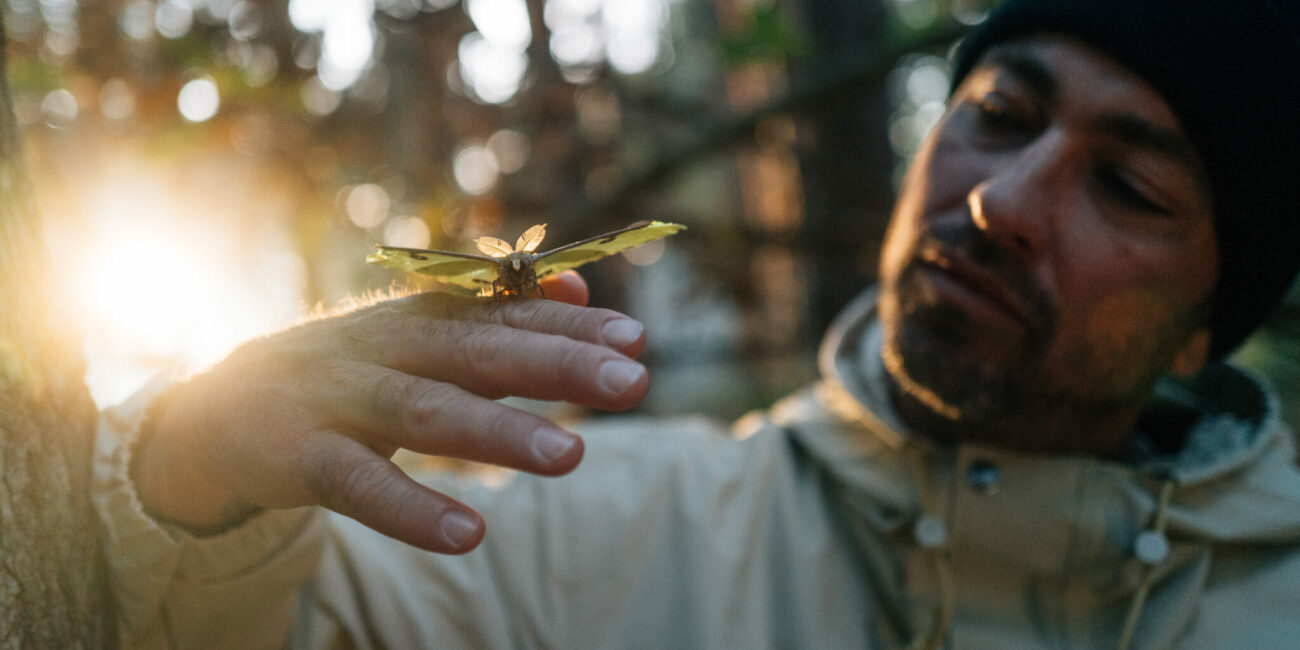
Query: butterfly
x=503, y=271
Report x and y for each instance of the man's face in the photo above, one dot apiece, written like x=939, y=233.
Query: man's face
x=1053, y=248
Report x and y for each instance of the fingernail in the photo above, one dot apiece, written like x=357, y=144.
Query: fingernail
x=549, y=444
x=457, y=528
x=621, y=332
x=615, y=377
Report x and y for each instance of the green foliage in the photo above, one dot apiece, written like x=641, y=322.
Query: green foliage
x=32, y=75
x=769, y=35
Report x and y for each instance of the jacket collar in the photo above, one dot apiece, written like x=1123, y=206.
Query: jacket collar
x=1234, y=419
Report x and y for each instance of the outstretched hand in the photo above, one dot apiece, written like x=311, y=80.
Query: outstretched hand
x=312, y=415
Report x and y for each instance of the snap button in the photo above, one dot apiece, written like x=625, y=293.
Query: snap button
x=1151, y=547
x=983, y=477
x=930, y=532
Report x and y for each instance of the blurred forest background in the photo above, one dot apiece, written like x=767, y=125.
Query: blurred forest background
x=212, y=170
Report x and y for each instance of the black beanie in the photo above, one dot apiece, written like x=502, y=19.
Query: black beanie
x=1230, y=70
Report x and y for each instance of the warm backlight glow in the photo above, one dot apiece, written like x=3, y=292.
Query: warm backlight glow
x=155, y=285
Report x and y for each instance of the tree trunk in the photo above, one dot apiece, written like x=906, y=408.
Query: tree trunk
x=52, y=587
x=846, y=166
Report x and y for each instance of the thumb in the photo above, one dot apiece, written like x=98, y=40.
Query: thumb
x=566, y=286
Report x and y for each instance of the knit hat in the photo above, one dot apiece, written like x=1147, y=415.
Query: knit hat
x=1230, y=70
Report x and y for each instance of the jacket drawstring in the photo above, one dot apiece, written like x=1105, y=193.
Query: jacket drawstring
x=1151, y=548
x=931, y=534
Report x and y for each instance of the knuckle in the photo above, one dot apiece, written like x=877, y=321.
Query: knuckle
x=389, y=392
x=533, y=314
x=424, y=404
x=377, y=317
x=345, y=484
x=460, y=346
x=365, y=482
x=499, y=311
x=436, y=305
x=579, y=360
x=322, y=473
x=501, y=428
x=486, y=346
x=408, y=318
x=385, y=322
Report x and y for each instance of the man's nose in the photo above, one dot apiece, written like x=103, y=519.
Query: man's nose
x=1015, y=204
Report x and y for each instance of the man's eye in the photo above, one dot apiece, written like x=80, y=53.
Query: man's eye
x=1115, y=183
x=997, y=117
x=994, y=113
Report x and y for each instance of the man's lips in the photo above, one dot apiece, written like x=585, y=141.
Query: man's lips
x=973, y=286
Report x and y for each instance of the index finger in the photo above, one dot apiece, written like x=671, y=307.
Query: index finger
x=588, y=324
x=408, y=319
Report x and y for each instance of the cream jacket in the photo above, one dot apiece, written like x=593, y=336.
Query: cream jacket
x=818, y=524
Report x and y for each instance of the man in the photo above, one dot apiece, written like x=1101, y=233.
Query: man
x=997, y=456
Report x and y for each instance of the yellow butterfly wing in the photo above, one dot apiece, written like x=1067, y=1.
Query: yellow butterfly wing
x=493, y=247
x=473, y=272
x=529, y=241
x=571, y=256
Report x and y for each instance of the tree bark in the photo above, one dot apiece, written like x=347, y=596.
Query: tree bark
x=846, y=165
x=52, y=587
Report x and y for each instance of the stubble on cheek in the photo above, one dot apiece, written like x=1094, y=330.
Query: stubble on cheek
x=1126, y=342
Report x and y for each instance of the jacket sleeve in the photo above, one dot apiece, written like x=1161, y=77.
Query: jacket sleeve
x=238, y=589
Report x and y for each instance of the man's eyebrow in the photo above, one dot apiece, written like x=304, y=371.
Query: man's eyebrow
x=1030, y=69
x=1027, y=66
x=1136, y=131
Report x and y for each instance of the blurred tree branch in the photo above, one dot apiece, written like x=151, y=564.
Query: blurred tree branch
x=847, y=68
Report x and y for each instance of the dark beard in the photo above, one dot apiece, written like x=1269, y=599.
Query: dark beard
x=956, y=378
x=948, y=361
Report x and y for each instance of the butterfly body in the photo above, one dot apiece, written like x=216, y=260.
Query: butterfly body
x=505, y=271
x=517, y=276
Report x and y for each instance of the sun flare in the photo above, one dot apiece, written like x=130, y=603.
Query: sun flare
x=162, y=283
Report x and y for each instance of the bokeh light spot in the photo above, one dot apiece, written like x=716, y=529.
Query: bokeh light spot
x=347, y=39
x=59, y=108
x=917, y=14
x=347, y=45
x=309, y=15
x=317, y=99
x=634, y=15
x=245, y=21
x=259, y=63
x=368, y=205
x=504, y=23
x=493, y=73
x=173, y=18
x=137, y=19
x=633, y=53
x=927, y=83
x=574, y=45
x=199, y=100
x=510, y=149
x=116, y=99
x=475, y=169
x=407, y=232
x=646, y=254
